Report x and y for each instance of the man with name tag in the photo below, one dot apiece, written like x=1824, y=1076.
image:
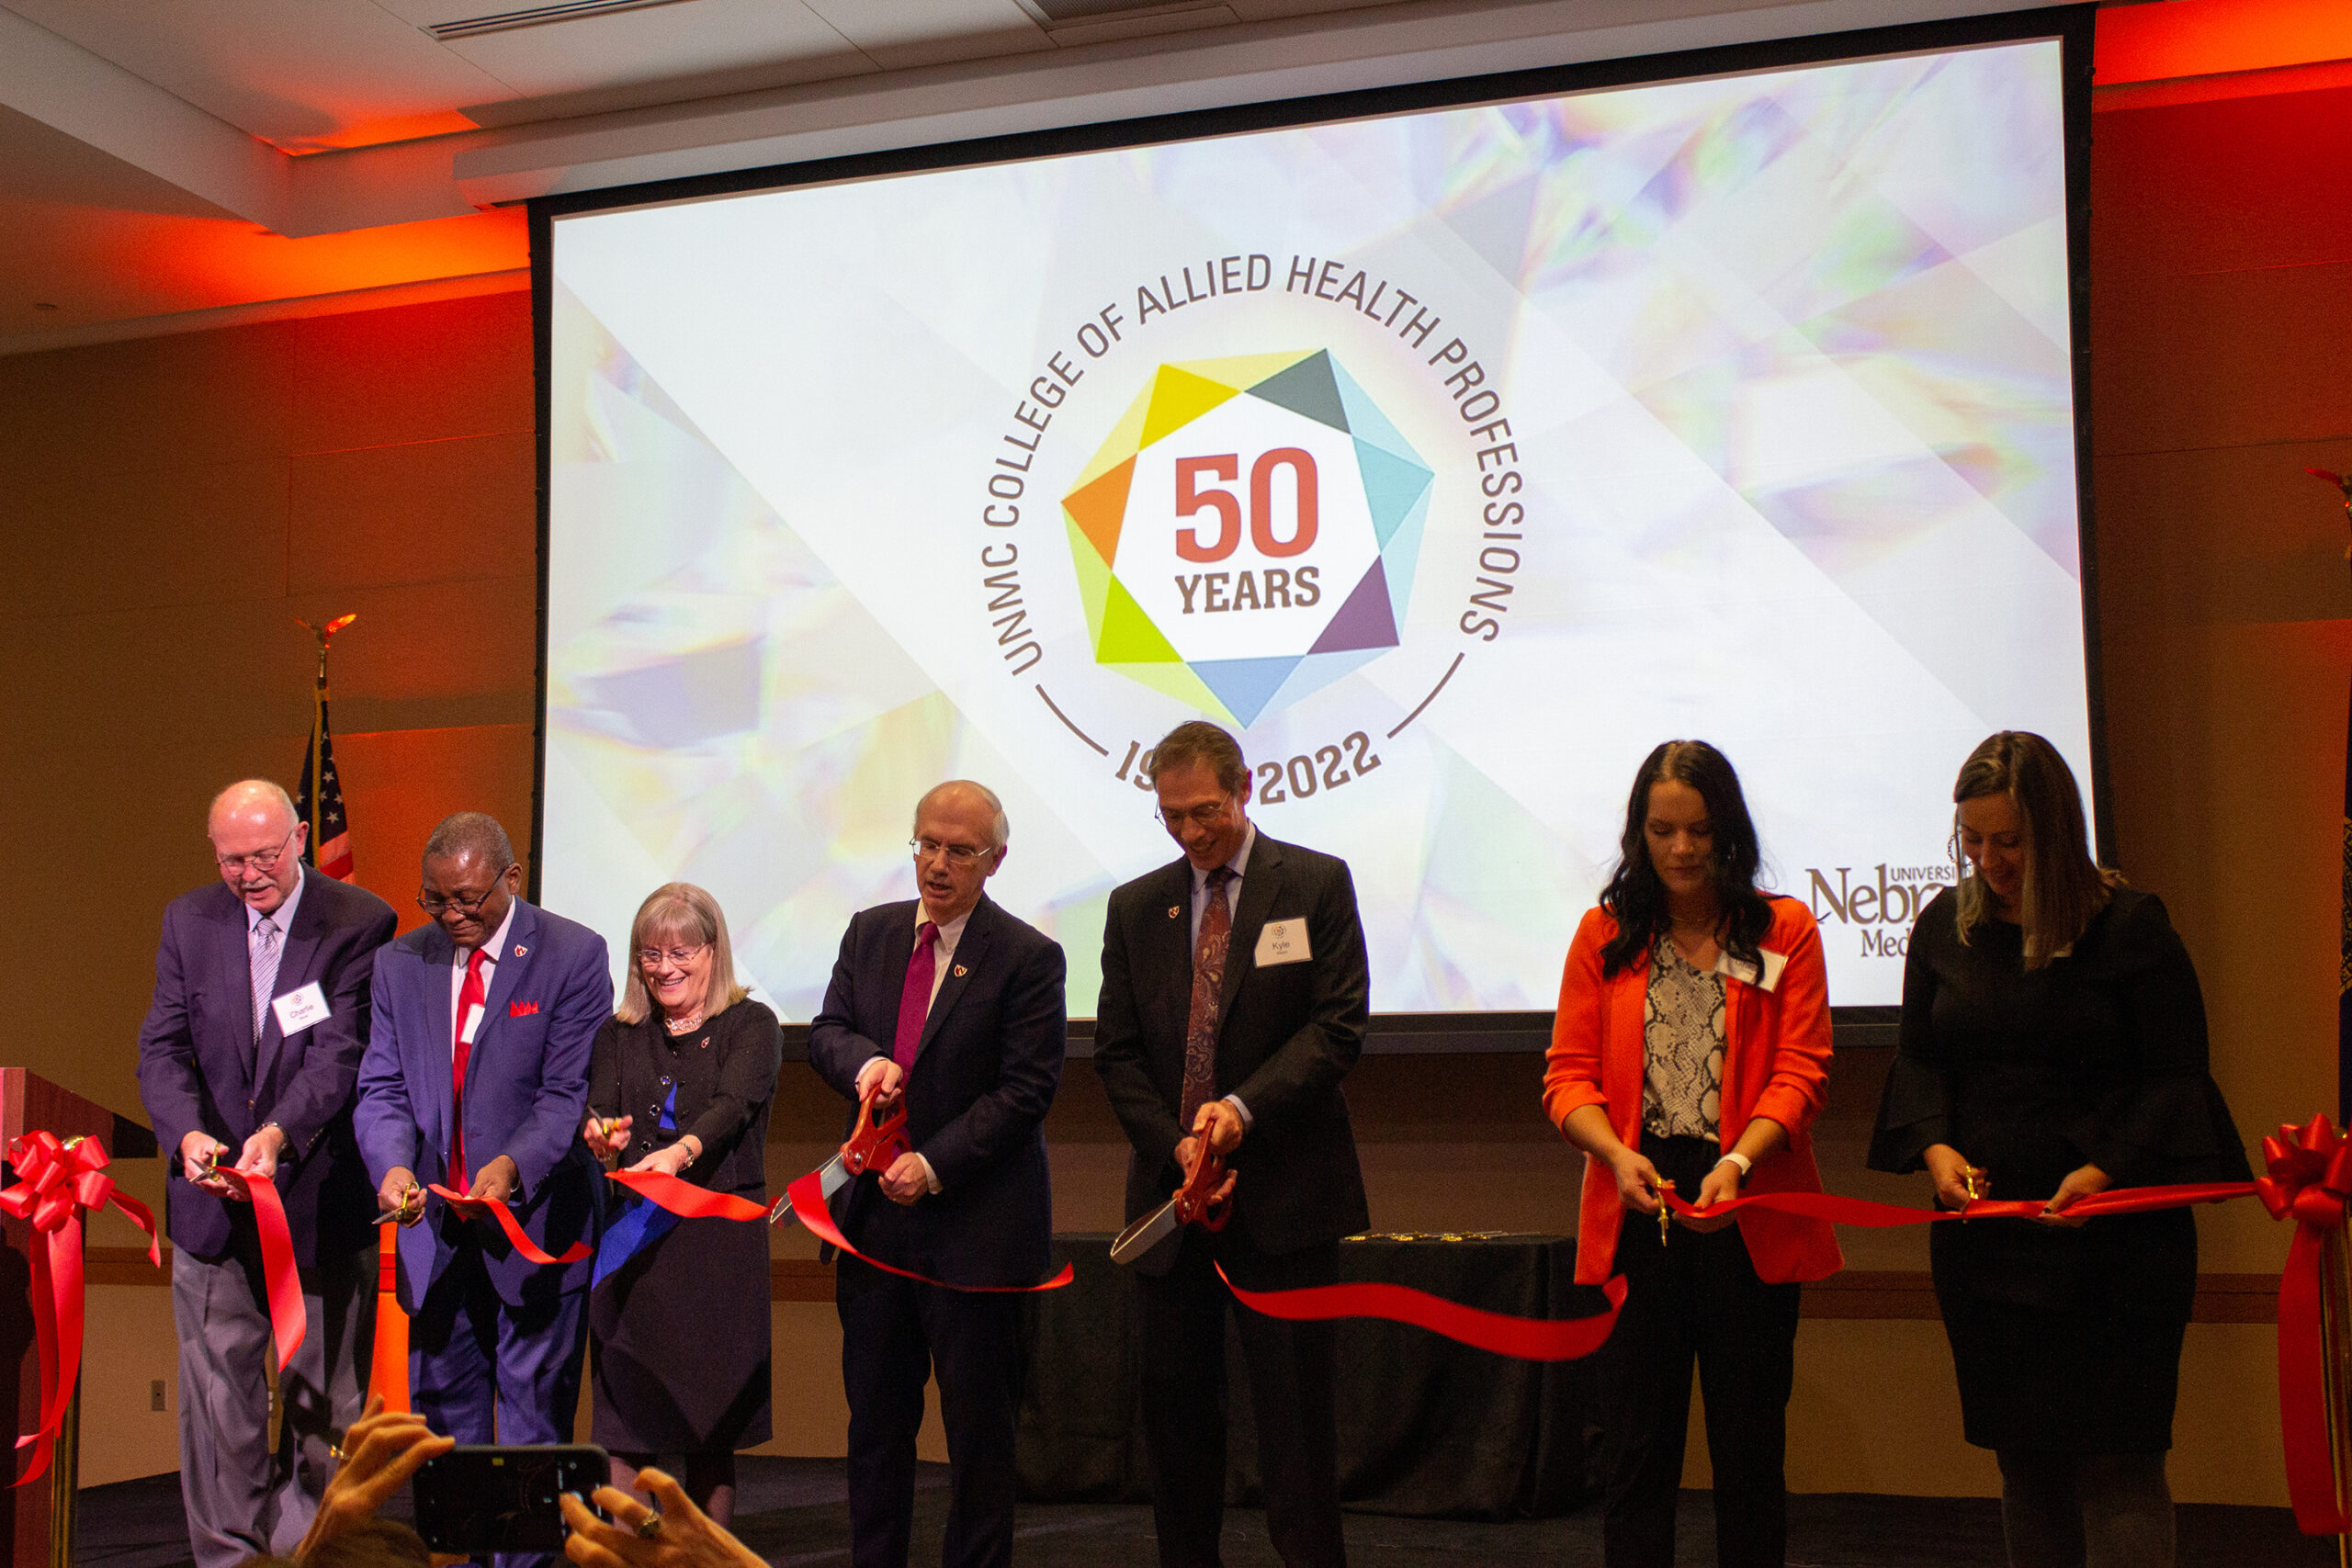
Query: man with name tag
x=247, y=1060
x=1234, y=999
x=476, y=1080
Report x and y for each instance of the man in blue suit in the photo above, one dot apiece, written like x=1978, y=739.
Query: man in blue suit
x=247, y=1059
x=955, y=1006
x=492, y=1008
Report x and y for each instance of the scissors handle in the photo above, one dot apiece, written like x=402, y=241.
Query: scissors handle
x=1197, y=1201
x=873, y=1144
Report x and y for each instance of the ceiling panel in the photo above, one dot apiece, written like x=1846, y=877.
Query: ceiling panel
x=900, y=34
x=693, y=38
x=302, y=74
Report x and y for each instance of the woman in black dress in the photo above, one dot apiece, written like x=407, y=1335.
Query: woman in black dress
x=2053, y=1046
x=680, y=1083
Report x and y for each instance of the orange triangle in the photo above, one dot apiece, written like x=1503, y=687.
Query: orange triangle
x=1098, y=506
x=1178, y=398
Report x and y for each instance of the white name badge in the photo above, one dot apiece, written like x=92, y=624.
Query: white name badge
x=1283, y=941
x=473, y=1022
x=297, y=1010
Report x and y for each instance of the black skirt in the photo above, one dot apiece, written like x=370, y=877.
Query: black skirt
x=2089, y=1383
x=683, y=1339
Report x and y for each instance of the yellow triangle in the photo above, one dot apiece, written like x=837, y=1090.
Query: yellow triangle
x=1178, y=398
x=1245, y=371
x=1126, y=437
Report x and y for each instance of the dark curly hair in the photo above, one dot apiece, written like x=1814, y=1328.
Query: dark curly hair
x=1635, y=898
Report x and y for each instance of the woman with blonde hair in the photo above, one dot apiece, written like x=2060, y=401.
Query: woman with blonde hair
x=2052, y=1046
x=680, y=1083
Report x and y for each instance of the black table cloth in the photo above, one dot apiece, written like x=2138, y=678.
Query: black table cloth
x=1428, y=1429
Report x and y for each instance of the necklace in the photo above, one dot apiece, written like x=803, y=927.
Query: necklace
x=684, y=1025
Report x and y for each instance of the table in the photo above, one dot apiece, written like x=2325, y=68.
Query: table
x=1426, y=1428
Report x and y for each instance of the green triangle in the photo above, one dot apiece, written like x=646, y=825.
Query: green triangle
x=1094, y=576
x=1177, y=681
x=1128, y=636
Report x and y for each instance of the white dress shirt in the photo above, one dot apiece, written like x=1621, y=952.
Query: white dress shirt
x=491, y=949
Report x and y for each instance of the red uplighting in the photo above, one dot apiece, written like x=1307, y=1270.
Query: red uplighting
x=2208, y=37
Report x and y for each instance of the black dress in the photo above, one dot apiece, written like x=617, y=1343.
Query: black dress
x=682, y=1330
x=2060, y=1337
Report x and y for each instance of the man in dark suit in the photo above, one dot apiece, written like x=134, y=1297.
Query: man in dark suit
x=491, y=1007
x=957, y=1006
x=247, y=1058
x=1234, y=999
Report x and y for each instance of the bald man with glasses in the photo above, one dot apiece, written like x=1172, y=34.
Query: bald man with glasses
x=476, y=1080
x=248, y=1059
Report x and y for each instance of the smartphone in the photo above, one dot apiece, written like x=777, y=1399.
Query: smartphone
x=486, y=1497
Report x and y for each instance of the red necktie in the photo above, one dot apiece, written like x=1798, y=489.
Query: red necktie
x=470, y=996
x=1208, y=995
x=914, y=1001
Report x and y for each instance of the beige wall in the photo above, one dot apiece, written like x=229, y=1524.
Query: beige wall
x=166, y=506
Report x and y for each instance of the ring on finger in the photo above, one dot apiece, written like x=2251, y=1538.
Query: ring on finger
x=649, y=1526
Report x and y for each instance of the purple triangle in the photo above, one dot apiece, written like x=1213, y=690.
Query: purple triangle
x=1364, y=621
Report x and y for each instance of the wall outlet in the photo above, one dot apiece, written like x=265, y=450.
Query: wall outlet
x=155, y=1394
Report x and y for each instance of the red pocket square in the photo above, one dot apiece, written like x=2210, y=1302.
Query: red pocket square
x=522, y=1010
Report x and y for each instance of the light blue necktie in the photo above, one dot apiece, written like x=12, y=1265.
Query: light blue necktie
x=261, y=945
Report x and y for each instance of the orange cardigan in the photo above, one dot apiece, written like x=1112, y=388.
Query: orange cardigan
x=1776, y=1063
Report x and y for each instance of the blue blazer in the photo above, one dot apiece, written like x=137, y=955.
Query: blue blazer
x=986, y=1069
x=526, y=1094
x=201, y=1069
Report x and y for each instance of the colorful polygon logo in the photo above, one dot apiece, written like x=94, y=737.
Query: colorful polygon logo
x=1247, y=532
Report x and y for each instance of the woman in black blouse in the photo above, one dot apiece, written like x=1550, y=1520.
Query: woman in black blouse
x=680, y=1083
x=2053, y=1046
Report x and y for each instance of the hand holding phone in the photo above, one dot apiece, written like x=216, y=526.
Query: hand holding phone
x=680, y=1536
x=488, y=1498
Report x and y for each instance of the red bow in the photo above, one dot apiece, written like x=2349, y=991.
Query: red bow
x=2308, y=1177
x=56, y=1182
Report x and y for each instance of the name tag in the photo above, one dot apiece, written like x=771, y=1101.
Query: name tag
x=1283, y=941
x=473, y=1022
x=297, y=1010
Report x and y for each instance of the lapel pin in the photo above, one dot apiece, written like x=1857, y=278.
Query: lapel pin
x=961, y=971
x=520, y=950
x=1174, y=910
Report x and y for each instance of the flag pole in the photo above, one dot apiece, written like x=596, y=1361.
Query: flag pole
x=319, y=802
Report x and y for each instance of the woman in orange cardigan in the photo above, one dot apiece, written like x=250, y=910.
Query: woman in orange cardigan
x=1691, y=1049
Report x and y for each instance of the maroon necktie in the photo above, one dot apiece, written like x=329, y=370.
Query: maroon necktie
x=470, y=996
x=1208, y=992
x=914, y=1001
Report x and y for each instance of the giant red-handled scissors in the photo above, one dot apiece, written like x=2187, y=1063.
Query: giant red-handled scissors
x=1205, y=1199
x=872, y=1145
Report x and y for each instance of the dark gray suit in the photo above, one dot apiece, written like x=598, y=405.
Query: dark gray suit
x=1287, y=1034
x=201, y=1069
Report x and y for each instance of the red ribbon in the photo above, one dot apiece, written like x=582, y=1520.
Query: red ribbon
x=1527, y=1338
x=688, y=1200
x=2308, y=1176
x=475, y=1208
x=1864, y=1212
x=55, y=1182
x=288, y=1319
x=808, y=1195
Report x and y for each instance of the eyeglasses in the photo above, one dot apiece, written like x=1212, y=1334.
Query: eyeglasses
x=464, y=903
x=654, y=957
x=263, y=860
x=1199, y=816
x=957, y=854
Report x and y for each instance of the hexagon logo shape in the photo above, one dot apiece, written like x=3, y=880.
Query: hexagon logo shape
x=1247, y=532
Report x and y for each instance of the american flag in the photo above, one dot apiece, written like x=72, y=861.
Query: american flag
x=318, y=800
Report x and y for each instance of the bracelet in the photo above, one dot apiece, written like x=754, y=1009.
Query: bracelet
x=1732, y=1156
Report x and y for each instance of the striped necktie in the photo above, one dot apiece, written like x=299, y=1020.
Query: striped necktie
x=262, y=953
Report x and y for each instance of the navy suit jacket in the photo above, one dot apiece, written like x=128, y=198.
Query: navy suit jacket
x=1287, y=1034
x=201, y=1069
x=985, y=1072
x=526, y=1094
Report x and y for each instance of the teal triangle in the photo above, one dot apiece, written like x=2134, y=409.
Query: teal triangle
x=1364, y=420
x=1307, y=388
x=1391, y=486
x=1400, y=555
x=1244, y=686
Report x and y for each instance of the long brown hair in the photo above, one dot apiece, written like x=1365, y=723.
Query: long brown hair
x=2065, y=887
x=673, y=910
x=1635, y=898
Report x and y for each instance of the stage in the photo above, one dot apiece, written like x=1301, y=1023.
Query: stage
x=796, y=1511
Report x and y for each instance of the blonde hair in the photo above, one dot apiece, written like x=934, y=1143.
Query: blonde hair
x=681, y=909
x=2063, y=889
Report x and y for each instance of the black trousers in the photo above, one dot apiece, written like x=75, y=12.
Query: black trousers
x=1696, y=1296
x=896, y=1333
x=1290, y=1369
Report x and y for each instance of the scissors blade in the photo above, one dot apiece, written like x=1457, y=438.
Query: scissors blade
x=1145, y=1234
x=830, y=1176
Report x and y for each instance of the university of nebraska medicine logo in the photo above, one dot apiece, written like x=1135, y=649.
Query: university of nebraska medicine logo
x=1247, y=532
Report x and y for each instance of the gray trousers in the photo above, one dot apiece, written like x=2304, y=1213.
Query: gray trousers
x=243, y=1497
